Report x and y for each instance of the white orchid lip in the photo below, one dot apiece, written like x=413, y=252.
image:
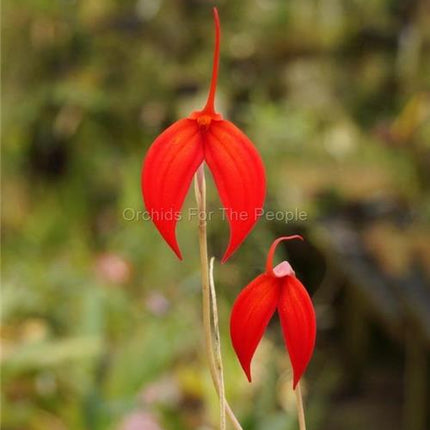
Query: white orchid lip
x=283, y=269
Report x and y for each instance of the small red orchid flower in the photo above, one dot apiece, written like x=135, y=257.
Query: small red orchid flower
x=180, y=150
x=279, y=289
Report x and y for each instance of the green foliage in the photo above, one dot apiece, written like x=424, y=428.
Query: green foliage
x=100, y=323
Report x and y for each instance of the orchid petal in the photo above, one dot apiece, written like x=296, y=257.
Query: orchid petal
x=298, y=322
x=239, y=176
x=251, y=313
x=167, y=172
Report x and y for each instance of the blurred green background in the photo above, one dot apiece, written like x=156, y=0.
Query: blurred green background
x=101, y=323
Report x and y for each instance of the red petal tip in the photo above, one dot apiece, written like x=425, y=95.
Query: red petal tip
x=248, y=374
x=178, y=253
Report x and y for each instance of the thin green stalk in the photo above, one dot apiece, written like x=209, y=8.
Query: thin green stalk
x=300, y=409
x=200, y=192
x=218, y=355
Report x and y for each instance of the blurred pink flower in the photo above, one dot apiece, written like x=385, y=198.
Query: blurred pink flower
x=157, y=303
x=163, y=391
x=113, y=268
x=140, y=420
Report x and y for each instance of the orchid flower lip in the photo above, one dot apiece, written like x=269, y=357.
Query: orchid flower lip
x=283, y=269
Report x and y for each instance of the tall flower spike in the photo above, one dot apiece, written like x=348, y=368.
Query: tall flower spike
x=177, y=153
x=276, y=289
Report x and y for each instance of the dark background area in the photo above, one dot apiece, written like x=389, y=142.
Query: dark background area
x=100, y=323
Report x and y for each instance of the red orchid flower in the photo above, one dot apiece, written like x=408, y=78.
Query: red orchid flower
x=180, y=150
x=277, y=289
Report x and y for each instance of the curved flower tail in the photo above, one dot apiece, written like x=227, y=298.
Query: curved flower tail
x=298, y=322
x=240, y=178
x=269, y=261
x=251, y=313
x=167, y=172
x=210, y=104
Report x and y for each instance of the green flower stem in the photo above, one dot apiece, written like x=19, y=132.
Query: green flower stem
x=300, y=409
x=200, y=192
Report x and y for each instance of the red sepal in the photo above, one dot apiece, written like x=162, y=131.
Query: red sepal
x=298, y=322
x=250, y=315
x=167, y=172
x=239, y=176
